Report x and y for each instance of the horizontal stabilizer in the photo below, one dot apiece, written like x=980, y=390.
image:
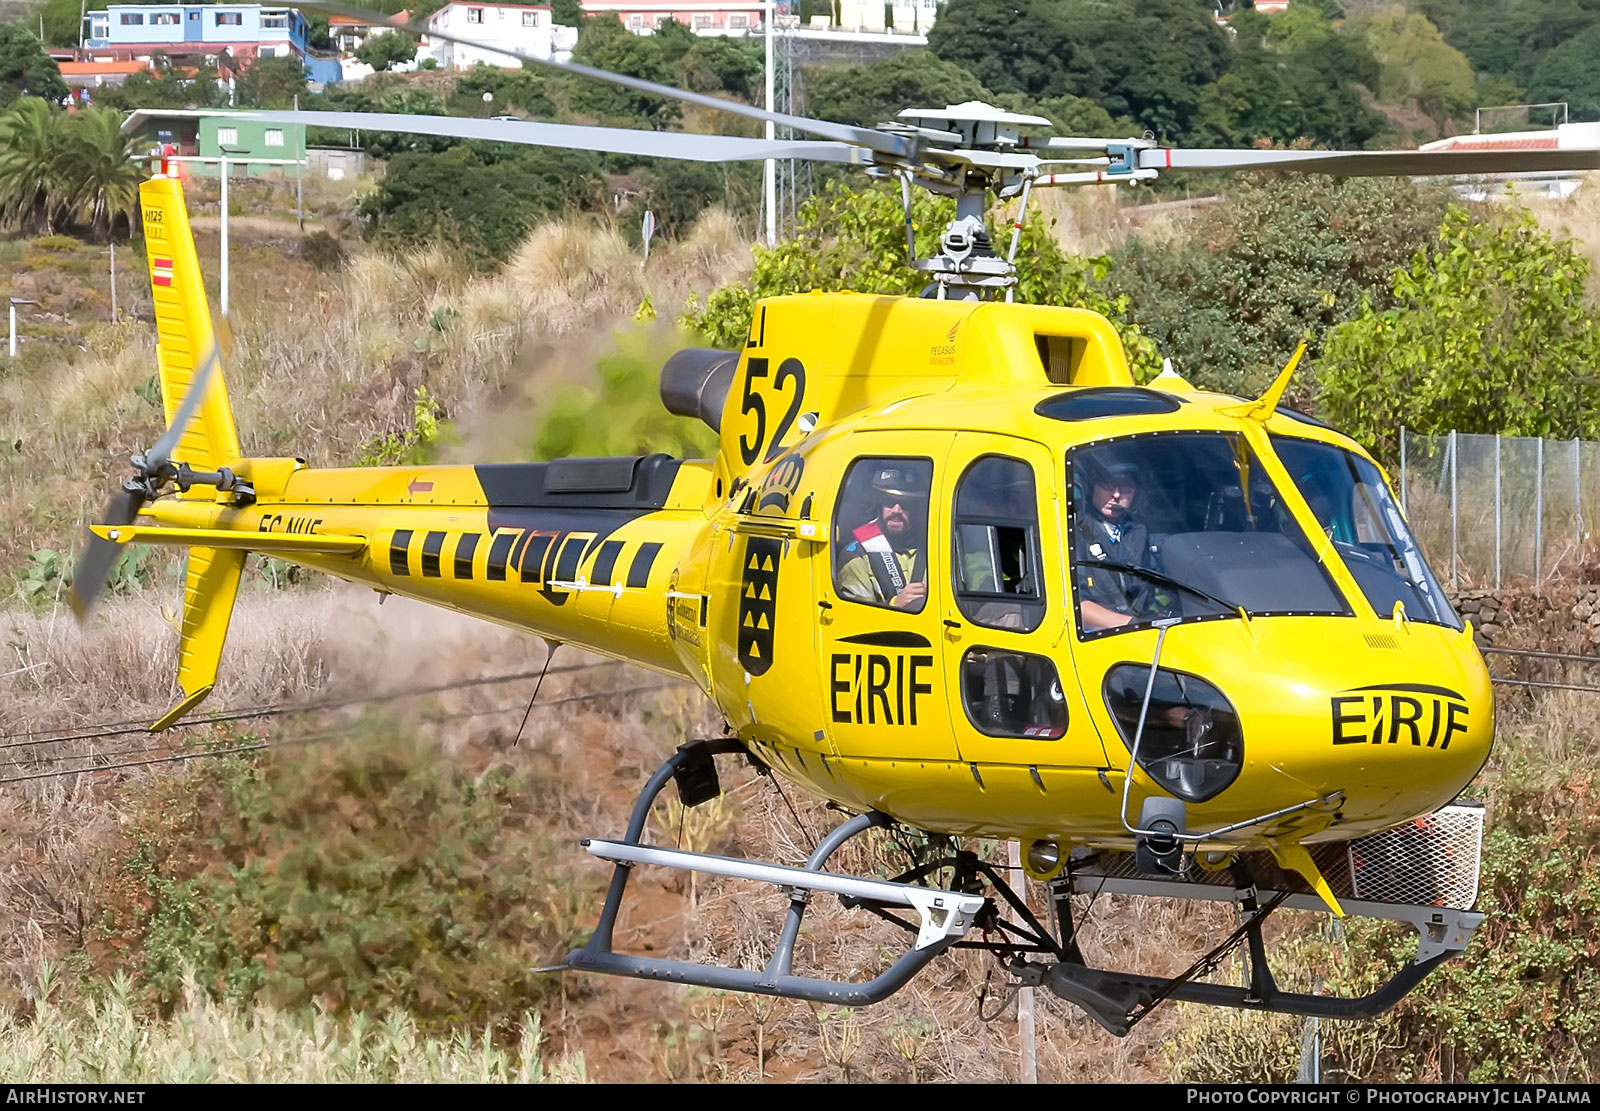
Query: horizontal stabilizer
x=287, y=543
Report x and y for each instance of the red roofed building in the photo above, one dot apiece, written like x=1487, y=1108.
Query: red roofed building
x=713, y=18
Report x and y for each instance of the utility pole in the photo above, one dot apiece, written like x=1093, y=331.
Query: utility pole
x=224, y=163
x=1027, y=1035
x=300, y=178
x=769, y=12
x=12, y=344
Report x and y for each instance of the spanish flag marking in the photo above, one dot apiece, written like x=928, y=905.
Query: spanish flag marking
x=161, y=271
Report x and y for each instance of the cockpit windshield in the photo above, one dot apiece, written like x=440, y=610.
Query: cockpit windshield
x=1352, y=503
x=1185, y=525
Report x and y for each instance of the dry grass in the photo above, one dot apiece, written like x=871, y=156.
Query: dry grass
x=1098, y=220
x=105, y=1039
x=324, y=363
x=1577, y=217
x=329, y=642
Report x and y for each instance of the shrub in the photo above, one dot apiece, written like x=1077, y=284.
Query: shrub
x=1281, y=260
x=322, y=250
x=856, y=241
x=1487, y=331
x=373, y=877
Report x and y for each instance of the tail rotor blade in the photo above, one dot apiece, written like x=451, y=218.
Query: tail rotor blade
x=89, y=577
x=158, y=456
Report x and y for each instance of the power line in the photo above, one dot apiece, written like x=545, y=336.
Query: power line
x=328, y=734
x=119, y=729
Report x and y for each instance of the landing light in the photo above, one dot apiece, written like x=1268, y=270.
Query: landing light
x=1043, y=858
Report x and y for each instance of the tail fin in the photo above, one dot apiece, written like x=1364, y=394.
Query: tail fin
x=183, y=328
x=184, y=338
x=210, y=585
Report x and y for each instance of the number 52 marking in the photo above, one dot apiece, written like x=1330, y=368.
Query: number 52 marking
x=757, y=370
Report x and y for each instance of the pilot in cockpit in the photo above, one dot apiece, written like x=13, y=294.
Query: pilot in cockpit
x=1106, y=530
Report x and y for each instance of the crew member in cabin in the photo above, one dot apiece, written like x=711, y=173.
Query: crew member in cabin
x=1106, y=531
x=886, y=561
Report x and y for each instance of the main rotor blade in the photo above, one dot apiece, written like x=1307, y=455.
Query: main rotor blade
x=157, y=456
x=89, y=577
x=613, y=140
x=1375, y=163
x=859, y=136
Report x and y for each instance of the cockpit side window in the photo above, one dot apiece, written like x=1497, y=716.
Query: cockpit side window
x=1351, y=502
x=880, y=533
x=995, y=530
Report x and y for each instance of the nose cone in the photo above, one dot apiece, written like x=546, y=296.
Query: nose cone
x=1397, y=724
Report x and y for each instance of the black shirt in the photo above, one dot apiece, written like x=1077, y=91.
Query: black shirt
x=1097, y=541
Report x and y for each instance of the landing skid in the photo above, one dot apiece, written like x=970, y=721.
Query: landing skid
x=940, y=919
x=944, y=916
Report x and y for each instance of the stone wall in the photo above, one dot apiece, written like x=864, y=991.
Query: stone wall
x=1557, y=617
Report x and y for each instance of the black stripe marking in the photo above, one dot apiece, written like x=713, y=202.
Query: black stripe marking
x=466, y=547
x=499, y=549
x=432, y=545
x=889, y=639
x=533, y=557
x=571, y=555
x=643, y=560
x=399, y=551
x=606, y=562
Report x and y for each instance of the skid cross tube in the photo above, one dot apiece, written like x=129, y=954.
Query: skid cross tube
x=946, y=914
x=1118, y=1000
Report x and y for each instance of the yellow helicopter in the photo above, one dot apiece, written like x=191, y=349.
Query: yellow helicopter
x=951, y=569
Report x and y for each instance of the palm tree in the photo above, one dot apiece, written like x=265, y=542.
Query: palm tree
x=30, y=151
x=97, y=163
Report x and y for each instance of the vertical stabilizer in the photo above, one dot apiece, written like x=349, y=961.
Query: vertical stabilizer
x=210, y=585
x=209, y=440
x=183, y=328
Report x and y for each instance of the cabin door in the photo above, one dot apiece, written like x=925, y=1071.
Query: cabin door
x=879, y=601
x=1006, y=651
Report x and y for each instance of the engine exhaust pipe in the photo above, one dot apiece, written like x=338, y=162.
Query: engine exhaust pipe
x=695, y=383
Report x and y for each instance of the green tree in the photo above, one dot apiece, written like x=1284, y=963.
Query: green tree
x=1418, y=68
x=1293, y=76
x=568, y=13
x=383, y=93
x=1014, y=46
x=481, y=199
x=874, y=93
x=1154, y=56
x=680, y=192
x=675, y=40
x=271, y=83
x=1285, y=258
x=1510, y=38
x=97, y=161
x=721, y=65
x=1146, y=59
x=526, y=89
x=31, y=186
x=1490, y=331
x=166, y=87
x=856, y=241
x=25, y=69
x=387, y=49
x=62, y=27
x=603, y=42
x=1569, y=73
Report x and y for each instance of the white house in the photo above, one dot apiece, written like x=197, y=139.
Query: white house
x=524, y=27
x=909, y=17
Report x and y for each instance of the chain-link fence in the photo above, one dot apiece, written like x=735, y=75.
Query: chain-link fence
x=1488, y=509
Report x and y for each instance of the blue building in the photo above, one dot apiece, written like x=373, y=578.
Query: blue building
x=247, y=30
